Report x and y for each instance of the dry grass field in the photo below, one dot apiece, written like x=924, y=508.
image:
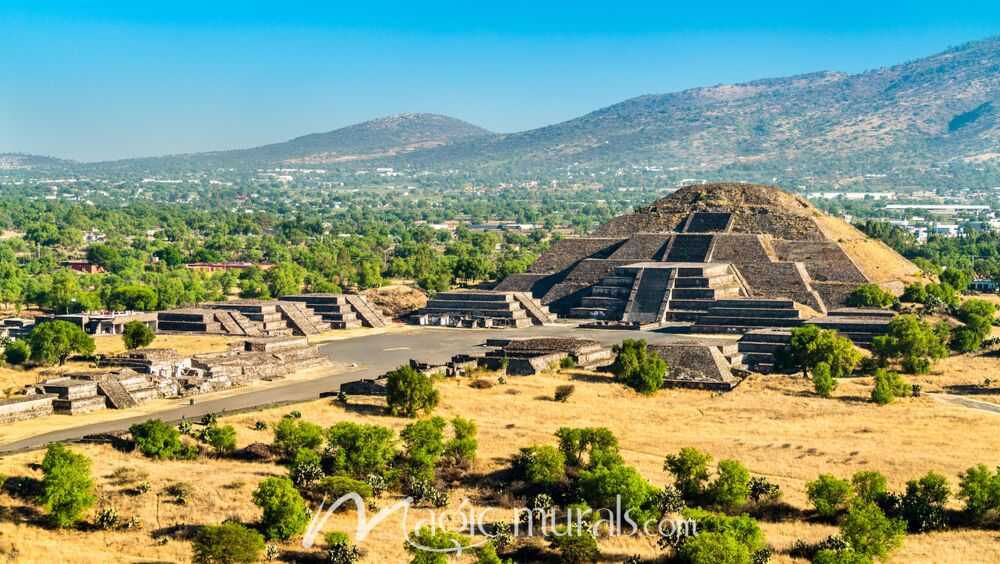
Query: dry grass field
x=773, y=424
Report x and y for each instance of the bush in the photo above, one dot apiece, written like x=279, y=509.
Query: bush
x=976, y=308
x=810, y=346
x=690, y=470
x=563, y=392
x=424, y=493
x=292, y=434
x=221, y=439
x=889, y=386
x=107, y=518
x=305, y=468
x=604, y=487
x=339, y=549
x=911, y=339
x=636, y=368
x=823, y=380
x=156, y=439
x=980, y=489
x=870, y=533
x=284, y=511
x=16, y=353
x=731, y=487
x=586, y=447
x=567, y=363
x=67, y=488
x=408, y=392
x=869, y=485
x=335, y=487
x=53, y=341
x=711, y=548
x=923, y=503
x=228, y=542
x=763, y=490
x=541, y=464
x=870, y=295
x=729, y=539
x=966, y=339
x=438, y=538
x=462, y=448
x=136, y=335
x=424, y=442
x=359, y=450
x=575, y=545
x=829, y=494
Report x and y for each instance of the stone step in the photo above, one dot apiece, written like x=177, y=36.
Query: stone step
x=748, y=321
x=753, y=312
x=611, y=291
x=683, y=315
x=602, y=302
x=594, y=313
x=746, y=303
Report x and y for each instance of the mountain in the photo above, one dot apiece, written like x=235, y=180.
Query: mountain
x=24, y=160
x=376, y=139
x=939, y=108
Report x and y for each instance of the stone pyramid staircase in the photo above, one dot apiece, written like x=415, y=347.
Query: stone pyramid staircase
x=747, y=314
x=538, y=313
x=115, y=394
x=367, y=313
x=303, y=320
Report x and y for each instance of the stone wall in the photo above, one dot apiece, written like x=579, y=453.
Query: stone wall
x=21, y=408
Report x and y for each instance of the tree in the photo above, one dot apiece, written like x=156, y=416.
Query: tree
x=358, y=450
x=575, y=545
x=722, y=538
x=980, y=489
x=869, y=485
x=870, y=533
x=434, y=538
x=823, y=380
x=335, y=487
x=221, y=439
x=635, y=367
x=541, y=464
x=462, y=447
x=156, y=439
x=911, y=339
x=889, y=386
x=53, y=341
x=408, y=392
x=227, y=543
x=587, y=447
x=711, y=548
x=67, y=488
x=605, y=487
x=976, y=307
x=923, y=503
x=870, y=295
x=957, y=278
x=810, y=345
x=291, y=434
x=284, y=511
x=966, y=339
x=137, y=334
x=690, y=470
x=16, y=353
x=829, y=494
x=424, y=444
x=731, y=487
x=134, y=297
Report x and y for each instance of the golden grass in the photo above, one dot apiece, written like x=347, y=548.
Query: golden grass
x=771, y=423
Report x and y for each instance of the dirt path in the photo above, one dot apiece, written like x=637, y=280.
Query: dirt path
x=966, y=402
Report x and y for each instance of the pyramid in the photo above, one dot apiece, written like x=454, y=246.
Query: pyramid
x=709, y=252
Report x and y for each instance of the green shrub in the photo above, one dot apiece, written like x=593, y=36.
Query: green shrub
x=339, y=549
x=424, y=444
x=563, y=392
x=67, y=487
x=228, y=542
x=690, y=470
x=136, y=335
x=156, y=439
x=575, y=545
x=409, y=392
x=869, y=485
x=870, y=533
x=462, y=447
x=221, y=439
x=870, y=295
x=810, y=346
x=541, y=464
x=923, y=504
x=889, y=386
x=980, y=489
x=966, y=339
x=16, y=353
x=731, y=486
x=604, y=487
x=635, y=367
x=438, y=538
x=912, y=340
x=742, y=538
x=829, y=494
x=359, y=449
x=284, y=511
x=567, y=363
x=304, y=467
x=586, y=447
x=712, y=548
x=334, y=487
x=823, y=380
x=292, y=434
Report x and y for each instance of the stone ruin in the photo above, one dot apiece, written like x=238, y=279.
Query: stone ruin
x=526, y=357
x=341, y=311
x=725, y=257
x=701, y=366
x=474, y=308
x=144, y=374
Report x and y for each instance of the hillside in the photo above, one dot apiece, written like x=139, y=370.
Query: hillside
x=379, y=138
x=938, y=108
x=24, y=160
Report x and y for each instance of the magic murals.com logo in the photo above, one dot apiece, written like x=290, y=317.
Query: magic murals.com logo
x=480, y=523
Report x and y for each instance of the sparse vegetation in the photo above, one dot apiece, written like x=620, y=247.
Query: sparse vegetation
x=635, y=367
x=409, y=393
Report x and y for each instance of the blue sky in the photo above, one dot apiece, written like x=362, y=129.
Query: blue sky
x=104, y=80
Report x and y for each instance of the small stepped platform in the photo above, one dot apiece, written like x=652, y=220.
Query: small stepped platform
x=759, y=346
x=860, y=325
x=480, y=308
x=341, y=311
x=742, y=315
